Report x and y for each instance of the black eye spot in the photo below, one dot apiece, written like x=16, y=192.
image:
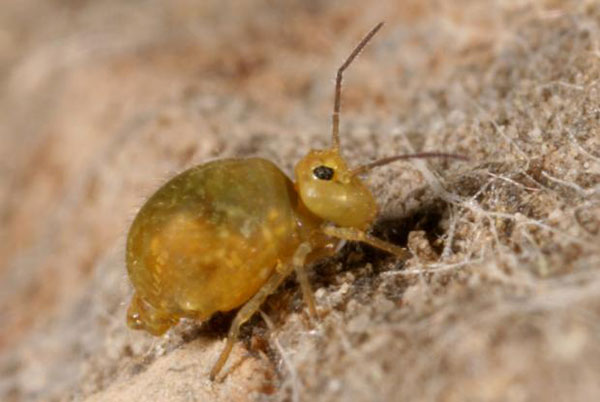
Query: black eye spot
x=323, y=172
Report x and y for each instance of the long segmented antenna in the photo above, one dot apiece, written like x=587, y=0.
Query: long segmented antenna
x=335, y=117
x=421, y=155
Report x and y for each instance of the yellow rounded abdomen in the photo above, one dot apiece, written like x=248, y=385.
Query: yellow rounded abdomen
x=209, y=238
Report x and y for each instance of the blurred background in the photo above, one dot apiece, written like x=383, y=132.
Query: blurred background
x=101, y=101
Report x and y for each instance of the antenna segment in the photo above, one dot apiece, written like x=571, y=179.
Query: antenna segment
x=335, y=117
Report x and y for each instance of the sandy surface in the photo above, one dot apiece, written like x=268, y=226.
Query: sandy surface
x=101, y=101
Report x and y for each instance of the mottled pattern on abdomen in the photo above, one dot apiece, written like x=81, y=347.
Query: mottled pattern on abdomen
x=209, y=238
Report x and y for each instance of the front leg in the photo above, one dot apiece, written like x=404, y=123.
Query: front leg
x=299, y=264
x=354, y=234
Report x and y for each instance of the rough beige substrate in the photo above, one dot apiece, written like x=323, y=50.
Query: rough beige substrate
x=101, y=101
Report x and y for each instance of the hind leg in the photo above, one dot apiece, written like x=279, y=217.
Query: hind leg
x=252, y=305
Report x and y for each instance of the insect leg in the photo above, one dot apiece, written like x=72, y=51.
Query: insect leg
x=252, y=305
x=354, y=234
x=244, y=315
x=298, y=264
